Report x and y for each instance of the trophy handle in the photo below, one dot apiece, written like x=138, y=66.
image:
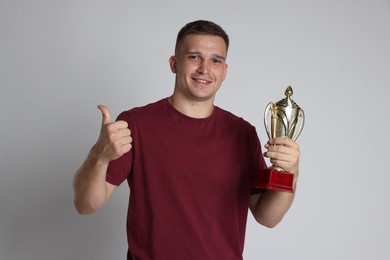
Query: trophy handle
x=267, y=111
x=299, y=124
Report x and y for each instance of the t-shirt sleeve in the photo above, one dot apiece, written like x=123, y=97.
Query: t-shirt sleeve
x=259, y=161
x=119, y=170
x=258, y=154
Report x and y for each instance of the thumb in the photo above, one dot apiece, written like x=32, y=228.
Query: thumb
x=105, y=113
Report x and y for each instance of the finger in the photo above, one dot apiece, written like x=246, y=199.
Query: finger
x=125, y=132
x=123, y=148
x=277, y=156
x=282, y=149
x=283, y=153
x=105, y=114
x=126, y=140
x=120, y=125
x=290, y=166
x=126, y=148
x=118, y=129
x=282, y=141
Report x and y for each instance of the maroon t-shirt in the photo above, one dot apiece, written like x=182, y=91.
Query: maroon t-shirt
x=190, y=183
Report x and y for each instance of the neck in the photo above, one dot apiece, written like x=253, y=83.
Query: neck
x=194, y=109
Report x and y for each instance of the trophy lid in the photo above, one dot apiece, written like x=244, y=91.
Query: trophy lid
x=287, y=102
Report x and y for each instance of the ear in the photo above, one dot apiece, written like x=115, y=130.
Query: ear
x=225, y=71
x=172, y=64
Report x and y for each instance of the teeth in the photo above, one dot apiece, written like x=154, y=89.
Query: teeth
x=201, y=81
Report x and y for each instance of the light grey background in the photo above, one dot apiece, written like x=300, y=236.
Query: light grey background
x=59, y=59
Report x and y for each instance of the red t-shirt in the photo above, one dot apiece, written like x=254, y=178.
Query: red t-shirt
x=190, y=183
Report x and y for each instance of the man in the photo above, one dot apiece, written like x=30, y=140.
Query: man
x=189, y=163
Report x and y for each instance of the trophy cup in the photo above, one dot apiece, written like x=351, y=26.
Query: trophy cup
x=283, y=118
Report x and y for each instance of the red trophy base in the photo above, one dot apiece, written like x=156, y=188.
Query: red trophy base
x=272, y=179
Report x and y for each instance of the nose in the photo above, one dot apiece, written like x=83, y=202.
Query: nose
x=203, y=68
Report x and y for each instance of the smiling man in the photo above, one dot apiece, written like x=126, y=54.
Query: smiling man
x=189, y=164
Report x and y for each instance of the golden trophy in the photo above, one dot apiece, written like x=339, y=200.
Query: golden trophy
x=283, y=118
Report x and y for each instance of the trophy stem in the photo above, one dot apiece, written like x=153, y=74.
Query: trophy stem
x=274, y=121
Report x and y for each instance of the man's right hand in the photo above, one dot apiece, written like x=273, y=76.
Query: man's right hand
x=115, y=138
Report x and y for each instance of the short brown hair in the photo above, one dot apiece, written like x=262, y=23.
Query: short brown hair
x=201, y=27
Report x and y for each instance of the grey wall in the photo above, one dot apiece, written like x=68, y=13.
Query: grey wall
x=59, y=59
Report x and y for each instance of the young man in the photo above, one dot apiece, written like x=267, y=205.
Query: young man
x=189, y=164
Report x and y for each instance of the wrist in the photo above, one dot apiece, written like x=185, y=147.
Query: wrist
x=97, y=157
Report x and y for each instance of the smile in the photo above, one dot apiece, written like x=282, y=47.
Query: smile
x=202, y=81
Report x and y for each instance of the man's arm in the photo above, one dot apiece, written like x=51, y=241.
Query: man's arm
x=269, y=207
x=90, y=187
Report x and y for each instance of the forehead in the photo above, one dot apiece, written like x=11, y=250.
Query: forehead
x=203, y=43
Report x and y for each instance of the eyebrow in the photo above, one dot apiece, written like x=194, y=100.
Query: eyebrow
x=214, y=55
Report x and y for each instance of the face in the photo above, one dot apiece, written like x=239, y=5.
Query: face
x=200, y=67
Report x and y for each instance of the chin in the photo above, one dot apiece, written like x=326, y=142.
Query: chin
x=203, y=97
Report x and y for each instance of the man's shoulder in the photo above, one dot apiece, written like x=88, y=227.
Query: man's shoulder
x=148, y=109
x=144, y=113
x=232, y=118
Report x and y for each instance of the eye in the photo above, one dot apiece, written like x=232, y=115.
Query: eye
x=217, y=61
x=194, y=57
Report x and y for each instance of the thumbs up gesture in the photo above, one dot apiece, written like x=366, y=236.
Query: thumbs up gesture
x=114, y=139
